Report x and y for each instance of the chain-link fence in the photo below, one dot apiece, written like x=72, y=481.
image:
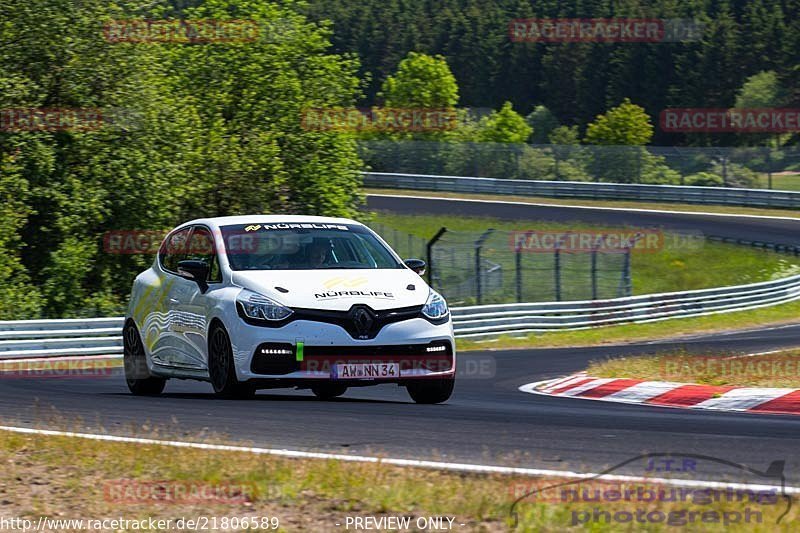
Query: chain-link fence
x=505, y=266
x=406, y=245
x=753, y=167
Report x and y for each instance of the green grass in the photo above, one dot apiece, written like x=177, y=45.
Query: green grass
x=627, y=333
x=673, y=268
x=782, y=182
x=657, y=272
x=64, y=477
x=781, y=369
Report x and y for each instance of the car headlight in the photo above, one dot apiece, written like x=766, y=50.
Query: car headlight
x=260, y=307
x=435, y=308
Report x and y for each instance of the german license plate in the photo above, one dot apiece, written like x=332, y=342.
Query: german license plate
x=366, y=371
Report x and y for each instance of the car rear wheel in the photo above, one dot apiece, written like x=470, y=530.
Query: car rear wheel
x=137, y=376
x=221, y=368
x=328, y=392
x=431, y=391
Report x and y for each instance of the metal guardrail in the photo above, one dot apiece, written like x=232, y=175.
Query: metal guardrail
x=54, y=338
x=580, y=189
x=101, y=336
x=539, y=317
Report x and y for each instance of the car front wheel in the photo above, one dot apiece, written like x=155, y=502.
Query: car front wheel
x=431, y=391
x=221, y=368
x=137, y=376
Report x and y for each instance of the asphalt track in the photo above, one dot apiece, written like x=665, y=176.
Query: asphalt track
x=778, y=231
x=487, y=421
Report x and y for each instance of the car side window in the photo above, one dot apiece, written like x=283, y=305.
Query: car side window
x=201, y=247
x=173, y=249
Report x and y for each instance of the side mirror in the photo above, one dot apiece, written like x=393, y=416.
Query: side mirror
x=196, y=271
x=417, y=265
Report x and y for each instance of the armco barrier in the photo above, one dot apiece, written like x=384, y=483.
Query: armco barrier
x=579, y=189
x=54, y=338
x=102, y=336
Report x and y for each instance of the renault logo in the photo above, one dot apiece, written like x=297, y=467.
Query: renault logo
x=363, y=321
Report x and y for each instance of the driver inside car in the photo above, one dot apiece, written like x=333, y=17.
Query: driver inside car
x=318, y=253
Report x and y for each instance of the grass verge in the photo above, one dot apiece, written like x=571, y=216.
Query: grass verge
x=73, y=478
x=779, y=369
x=781, y=182
x=679, y=264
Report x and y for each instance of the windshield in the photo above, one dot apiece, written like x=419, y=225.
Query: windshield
x=294, y=246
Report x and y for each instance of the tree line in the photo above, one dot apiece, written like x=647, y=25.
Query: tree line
x=188, y=130
x=578, y=81
x=196, y=128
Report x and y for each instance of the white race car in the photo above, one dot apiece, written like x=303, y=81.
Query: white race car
x=256, y=302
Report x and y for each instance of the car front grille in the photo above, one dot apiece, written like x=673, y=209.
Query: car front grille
x=360, y=321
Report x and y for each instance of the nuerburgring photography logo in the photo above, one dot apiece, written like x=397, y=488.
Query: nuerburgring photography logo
x=664, y=493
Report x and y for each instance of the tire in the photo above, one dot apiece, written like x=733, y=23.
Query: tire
x=221, y=368
x=431, y=391
x=137, y=376
x=328, y=391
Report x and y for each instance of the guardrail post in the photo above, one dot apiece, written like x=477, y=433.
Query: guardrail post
x=725, y=171
x=594, y=273
x=638, y=166
x=429, y=254
x=769, y=167
x=478, y=246
x=518, y=266
x=625, y=282
x=557, y=271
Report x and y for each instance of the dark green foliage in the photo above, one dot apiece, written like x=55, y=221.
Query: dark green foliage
x=577, y=81
x=189, y=130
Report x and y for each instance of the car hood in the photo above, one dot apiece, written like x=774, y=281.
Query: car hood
x=337, y=290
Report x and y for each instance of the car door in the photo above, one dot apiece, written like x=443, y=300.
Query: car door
x=161, y=337
x=193, y=305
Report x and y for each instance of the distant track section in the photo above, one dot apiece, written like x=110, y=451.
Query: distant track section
x=586, y=190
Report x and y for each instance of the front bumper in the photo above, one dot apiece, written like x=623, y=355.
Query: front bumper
x=269, y=356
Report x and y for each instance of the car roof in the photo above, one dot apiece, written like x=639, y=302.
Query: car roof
x=267, y=219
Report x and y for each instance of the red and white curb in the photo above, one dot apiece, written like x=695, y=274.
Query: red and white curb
x=671, y=394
